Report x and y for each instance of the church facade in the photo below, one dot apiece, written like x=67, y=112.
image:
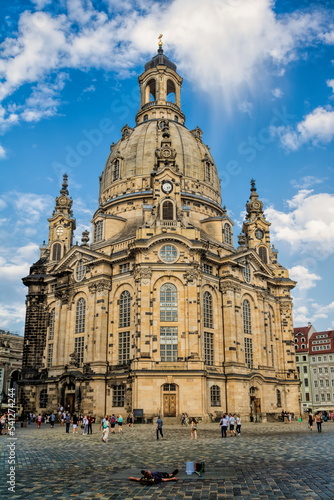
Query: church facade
x=158, y=310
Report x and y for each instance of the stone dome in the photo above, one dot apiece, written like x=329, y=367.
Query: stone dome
x=137, y=153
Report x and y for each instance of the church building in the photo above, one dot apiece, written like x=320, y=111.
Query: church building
x=157, y=311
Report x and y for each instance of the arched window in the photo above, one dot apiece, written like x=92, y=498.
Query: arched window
x=207, y=171
x=56, y=251
x=80, y=317
x=98, y=231
x=263, y=254
x=167, y=210
x=43, y=398
x=150, y=91
x=145, y=118
x=207, y=310
x=215, y=395
x=80, y=271
x=246, y=273
x=124, y=309
x=171, y=91
x=52, y=324
x=116, y=170
x=227, y=234
x=246, y=316
x=168, y=302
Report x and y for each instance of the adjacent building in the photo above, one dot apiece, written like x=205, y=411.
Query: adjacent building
x=11, y=349
x=315, y=363
x=160, y=312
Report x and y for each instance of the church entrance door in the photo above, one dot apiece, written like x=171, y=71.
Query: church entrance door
x=69, y=405
x=169, y=405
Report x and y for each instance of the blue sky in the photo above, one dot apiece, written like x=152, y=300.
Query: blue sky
x=258, y=79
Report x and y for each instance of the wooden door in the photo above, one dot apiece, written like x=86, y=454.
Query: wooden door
x=257, y=406
x=169, y=405
x=70, y=403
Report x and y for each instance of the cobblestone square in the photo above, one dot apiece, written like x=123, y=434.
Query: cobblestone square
x=268, y=461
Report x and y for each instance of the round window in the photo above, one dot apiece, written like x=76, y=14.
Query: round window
x=80, y=271
x=168, y=253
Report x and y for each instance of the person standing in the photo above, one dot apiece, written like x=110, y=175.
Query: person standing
x=318, y=420
x=224, y=425
x=85, y=425
x=90, y=421
x=75, y=424
x=52, y=420
x=159, y=427
x=68, y=422
x=238, y=428
x=193, y=429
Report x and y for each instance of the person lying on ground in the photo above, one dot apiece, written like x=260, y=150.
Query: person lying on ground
x=154, y=477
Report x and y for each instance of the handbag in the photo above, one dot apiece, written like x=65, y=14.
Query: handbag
x=200, y=467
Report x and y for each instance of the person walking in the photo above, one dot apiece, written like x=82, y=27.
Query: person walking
x=193, y=429
x=39, y=421
x=159, y=427
x=105, y=428
x=120, y=423
x=318, y=420
x=310, y=420
x=113, y=421
x=232, y=423
x=224, y=425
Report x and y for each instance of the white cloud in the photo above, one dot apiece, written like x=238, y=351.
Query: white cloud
x=245, y=107
x=306, y=182
x=13, y=314
x=306, y=310
x=277, y=93
x=308, y=225
x=330, y=83
x=2, y=153
x=304, y=277
x=316, y=128
x=240, y=43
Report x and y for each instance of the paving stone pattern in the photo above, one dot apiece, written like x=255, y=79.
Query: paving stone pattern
x=268, y=461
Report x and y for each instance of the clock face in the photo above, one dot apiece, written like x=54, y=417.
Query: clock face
x=259, y=234
x=59, y=230
x=167, y=187
x=166, y=153
x=62, y=201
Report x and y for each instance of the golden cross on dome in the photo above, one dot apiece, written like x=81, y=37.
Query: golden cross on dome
x=160, y=43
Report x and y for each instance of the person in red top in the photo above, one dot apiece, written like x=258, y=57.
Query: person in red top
x=90, y=421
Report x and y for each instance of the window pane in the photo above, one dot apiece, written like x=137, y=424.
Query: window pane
x=208, y=348
x=123, y=347
x=168, y=343
x=246, y=314
x=207, y=310
x=80, y=316
x=124, y=309
x=168, y=302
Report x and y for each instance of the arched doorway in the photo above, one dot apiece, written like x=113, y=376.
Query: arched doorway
x=67, y=396
x=169, y=400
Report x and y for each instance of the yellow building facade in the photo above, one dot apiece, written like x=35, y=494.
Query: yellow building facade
x=160, y=312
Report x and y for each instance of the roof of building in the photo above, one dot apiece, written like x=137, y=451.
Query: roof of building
x=159, y=59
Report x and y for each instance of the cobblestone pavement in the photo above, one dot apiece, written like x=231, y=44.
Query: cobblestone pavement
x=269, y=461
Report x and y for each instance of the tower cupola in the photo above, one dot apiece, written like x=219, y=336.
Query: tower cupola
x=160, y=90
